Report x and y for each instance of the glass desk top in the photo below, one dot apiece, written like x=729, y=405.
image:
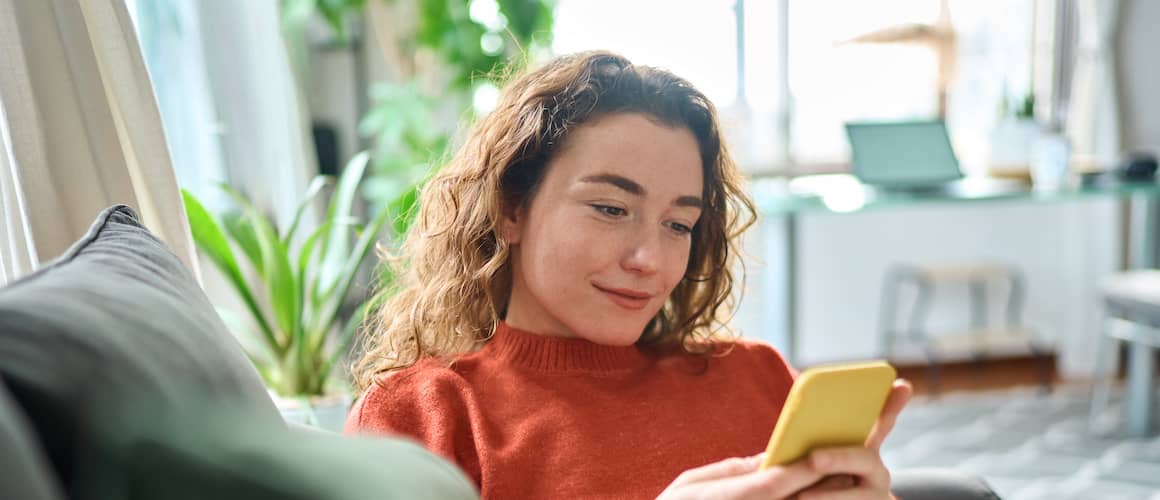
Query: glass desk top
x=843, y=193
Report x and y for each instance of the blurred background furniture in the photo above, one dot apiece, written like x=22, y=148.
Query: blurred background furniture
x=1131, y=301
x=821, y=245
x=987, y=334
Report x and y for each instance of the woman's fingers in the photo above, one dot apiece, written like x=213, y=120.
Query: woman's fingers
x=739, y=479
x=847, y=494
x=862, y=463
x=899, y=394
x=834, y=482
x=774, y=482
x=725, y=468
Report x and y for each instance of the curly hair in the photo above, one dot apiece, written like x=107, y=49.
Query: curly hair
x=453, y=276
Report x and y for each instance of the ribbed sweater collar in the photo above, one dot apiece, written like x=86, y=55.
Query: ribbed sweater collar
x=565, y=355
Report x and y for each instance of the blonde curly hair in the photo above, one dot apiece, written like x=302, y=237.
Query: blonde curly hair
x=452, y=273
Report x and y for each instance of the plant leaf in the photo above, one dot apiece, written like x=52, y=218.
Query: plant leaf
x=345, y=338
x=307, y=250
x=404, y=209
x=248, y=208
x=242, y=232
x=208, y=235
x=334, y=247
x=296, y=12
x=312, y=191
x=280, y=280
x=332, y=301
x=278, y=272
x=309, y=308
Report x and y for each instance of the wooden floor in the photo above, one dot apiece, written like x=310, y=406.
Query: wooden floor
x=981, y=376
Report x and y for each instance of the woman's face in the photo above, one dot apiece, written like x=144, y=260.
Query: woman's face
x=607, y=235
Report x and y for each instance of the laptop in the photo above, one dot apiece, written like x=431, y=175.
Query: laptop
x=903, y=155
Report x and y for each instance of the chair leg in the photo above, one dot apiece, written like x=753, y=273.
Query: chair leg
x=977, y=288
x=933, y=373
x=924, y=289
x=1043, y=367
x=1102, y=385
x=978, y=298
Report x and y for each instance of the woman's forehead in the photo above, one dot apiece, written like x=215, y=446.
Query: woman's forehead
x=633, y=146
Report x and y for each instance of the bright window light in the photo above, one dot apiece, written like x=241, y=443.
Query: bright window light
x=694, y=39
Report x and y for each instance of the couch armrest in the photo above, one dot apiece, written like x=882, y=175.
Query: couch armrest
x=941, y=484
x=27, y=472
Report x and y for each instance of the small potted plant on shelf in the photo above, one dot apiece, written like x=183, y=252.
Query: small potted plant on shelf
x=1013, y=138
x=294, y=289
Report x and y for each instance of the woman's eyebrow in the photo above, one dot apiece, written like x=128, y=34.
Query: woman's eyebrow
x=689, y=201
x=619, y=181
x=635, y=188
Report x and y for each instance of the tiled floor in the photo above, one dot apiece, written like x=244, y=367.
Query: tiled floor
x=1027, y=445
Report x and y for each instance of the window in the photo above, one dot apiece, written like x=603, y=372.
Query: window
x=807, y=68
x=695, y=43
x=833, y=80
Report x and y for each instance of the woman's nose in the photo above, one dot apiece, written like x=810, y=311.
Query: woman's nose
x=644, y=255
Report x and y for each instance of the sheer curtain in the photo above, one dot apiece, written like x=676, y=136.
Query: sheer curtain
x=80, y=131
x=268, y=150
x=232, y=108
x=170, y=32
x=1094, y=115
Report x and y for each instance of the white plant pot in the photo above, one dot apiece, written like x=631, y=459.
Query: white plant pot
x=1011, y=146
x=322, y=412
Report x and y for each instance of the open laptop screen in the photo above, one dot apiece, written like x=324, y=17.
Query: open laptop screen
x=910, y=154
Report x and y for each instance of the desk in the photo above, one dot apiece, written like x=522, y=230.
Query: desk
x=786, y=198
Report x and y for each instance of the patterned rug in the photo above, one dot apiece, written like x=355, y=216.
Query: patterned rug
x=1028, y=445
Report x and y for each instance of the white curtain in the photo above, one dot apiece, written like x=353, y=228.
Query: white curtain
x=266, y=138
x=232, y=110
x=170, y=32
x=81, y=131
x=1093, y=119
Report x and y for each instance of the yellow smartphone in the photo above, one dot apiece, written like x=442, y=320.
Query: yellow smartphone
x=832, y=405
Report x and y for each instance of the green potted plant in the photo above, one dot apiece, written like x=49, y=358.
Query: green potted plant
x=294, y=289
x=1013, y=137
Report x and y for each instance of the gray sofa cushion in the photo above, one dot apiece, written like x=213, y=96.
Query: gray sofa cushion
x=26, y=471
x=115, y=325
x=123, y=383
x=940, y=484
x=212, y=454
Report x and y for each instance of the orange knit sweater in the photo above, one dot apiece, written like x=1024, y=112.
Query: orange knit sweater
x=530, y=416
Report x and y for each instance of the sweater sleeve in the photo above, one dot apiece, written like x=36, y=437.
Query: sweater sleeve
x=432, y=405
x=770, y=364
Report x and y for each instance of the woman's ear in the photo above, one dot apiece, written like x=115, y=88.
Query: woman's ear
x=510, y=223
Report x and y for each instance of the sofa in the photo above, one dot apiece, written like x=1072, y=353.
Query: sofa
x=118, y=380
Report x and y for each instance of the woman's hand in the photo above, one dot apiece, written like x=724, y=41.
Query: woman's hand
x=858, y=472
x=899, y=395
x=738, y=479
x=832, y=473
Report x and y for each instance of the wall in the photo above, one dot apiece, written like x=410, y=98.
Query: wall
x=1139, y=70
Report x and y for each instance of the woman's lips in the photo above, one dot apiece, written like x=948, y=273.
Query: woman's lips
x=633, y=300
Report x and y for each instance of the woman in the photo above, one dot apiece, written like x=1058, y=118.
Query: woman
x=558, y=326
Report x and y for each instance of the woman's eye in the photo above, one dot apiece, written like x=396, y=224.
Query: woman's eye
x=610, y=210
x=681, y=228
